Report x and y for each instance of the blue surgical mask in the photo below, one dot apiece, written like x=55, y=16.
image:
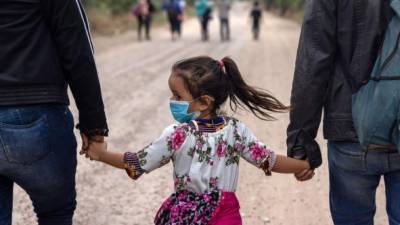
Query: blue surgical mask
x=179, y=110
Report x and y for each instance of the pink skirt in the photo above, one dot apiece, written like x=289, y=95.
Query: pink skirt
x=228, y=212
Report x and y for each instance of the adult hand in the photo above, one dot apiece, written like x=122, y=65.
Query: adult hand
x=305, y=175
x=86, y=142
x=96, y=150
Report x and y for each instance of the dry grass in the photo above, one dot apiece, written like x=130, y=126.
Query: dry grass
x=104, y=23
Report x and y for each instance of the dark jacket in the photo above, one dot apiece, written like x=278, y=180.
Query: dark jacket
x=45, y=45
x=337, y=50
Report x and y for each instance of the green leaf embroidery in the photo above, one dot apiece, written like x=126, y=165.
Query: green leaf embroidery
x=142, y=154
x=142, y=162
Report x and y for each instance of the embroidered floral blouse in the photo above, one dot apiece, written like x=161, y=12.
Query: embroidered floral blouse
x=203, y=161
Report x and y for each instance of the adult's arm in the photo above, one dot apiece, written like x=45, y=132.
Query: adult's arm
x=314, y=67
x=70, y=31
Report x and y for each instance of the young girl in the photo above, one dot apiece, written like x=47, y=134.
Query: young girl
x=206, y=146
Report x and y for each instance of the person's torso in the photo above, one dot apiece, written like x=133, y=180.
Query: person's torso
x=223, y=9
x=28, y=57
x=357, y=48
x=144, y=9
x=201, y=7
x=256, y=14
x=174, y=9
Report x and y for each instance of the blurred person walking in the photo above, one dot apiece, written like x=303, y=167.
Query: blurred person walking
x=143, y=11
x=204, y=13
x=224, y=7
x=256, y=16
x=174, y=12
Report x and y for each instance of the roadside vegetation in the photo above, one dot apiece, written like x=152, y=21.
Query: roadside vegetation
x=110, y=17
x=293, y=9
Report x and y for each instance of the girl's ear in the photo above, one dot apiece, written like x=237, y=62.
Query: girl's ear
x=206, y=102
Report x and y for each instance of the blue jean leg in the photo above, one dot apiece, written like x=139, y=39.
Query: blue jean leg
x=6, y=200
x=38, y=152
x=392, y=186
x=352, y=187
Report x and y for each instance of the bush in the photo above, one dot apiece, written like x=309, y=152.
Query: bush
x=111, y=6
x=285, y=5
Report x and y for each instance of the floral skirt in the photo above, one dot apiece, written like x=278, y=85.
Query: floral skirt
x=187, y=208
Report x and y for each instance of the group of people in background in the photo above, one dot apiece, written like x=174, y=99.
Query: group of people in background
x=175, y=11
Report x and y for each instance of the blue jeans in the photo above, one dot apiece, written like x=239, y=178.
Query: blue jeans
x=38, y=152
x=355, y=174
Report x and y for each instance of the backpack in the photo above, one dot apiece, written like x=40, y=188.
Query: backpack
x=135, y=10
x=376, y=105
x=173, y=10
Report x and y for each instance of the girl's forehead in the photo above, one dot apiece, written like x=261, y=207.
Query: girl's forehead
x=175, y=80
x=176, y=83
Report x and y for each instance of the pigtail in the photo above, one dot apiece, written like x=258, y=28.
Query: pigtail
x=241, y=95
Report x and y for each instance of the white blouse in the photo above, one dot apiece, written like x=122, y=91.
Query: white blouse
x=205, y=161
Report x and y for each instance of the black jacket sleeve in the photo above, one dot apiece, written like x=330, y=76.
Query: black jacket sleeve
x=314, y=67
x=71, y=35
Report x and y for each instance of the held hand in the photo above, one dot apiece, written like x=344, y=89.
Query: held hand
x=86, y=142
x=96, y=150
x=305, y=175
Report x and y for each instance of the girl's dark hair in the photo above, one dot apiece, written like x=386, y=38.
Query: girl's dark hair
x=222, y=79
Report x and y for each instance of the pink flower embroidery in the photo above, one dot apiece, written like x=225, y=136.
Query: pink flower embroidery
x=221, y=149
x=199, y=144
x=238, y=147
x=174, y=211
x=258, y=152
x=177, y=138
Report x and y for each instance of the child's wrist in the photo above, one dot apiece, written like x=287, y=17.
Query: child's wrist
x=102, y=156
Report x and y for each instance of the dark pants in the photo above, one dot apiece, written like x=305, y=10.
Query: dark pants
x=256, y=29
x=144, y=22
x=224, y=29
x=355, y=174
x=38, y=152
x=204, y=28
x=175, y=25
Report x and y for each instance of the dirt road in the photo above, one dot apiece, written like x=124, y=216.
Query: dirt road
x=134, y=80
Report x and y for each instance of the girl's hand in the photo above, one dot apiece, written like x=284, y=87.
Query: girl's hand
x=97, y=150
x=305, y=175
